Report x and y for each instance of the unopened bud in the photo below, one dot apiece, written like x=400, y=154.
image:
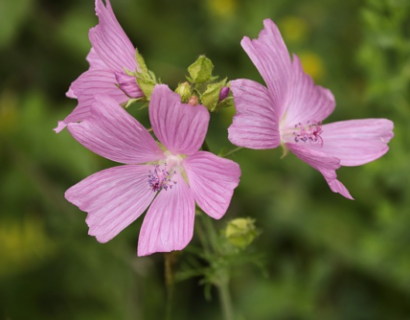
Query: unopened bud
x=201, y=70
x=241, y=232
x=184, y=90
x=212, y=94
x=193, y=101
x=224, y=93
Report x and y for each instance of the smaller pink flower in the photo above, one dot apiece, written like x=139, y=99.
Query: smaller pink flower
x=111, y=53
x=290, y=112
x=171, y=178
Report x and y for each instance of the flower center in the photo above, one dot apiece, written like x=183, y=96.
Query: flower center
x=310, y=132
x=160, y=178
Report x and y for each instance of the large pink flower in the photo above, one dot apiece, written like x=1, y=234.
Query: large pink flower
x=177, y=174
x=290, y=112
x=111, y=53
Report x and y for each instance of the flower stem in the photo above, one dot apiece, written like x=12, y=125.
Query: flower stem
x=210, y=230
x=225, y=298
x=231, y=152
x=169, y=281
x=222, y=280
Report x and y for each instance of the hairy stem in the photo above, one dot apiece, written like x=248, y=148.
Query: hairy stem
x=225, y=298
x=222, y=281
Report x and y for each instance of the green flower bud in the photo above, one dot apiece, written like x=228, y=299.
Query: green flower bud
x=241, y=232
x=201, y=70
x=210, y=97
x=184, y=90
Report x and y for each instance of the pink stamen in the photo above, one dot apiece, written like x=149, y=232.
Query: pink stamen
x=160, y=178
x=309, y=133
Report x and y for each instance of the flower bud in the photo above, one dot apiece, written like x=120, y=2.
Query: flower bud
x=193, y=101
x=224, y=93
x=212, y=94
x=241, y=232
x=184, y=90
x=201, y=70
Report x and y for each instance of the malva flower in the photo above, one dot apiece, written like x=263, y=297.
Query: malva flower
x=290, y=111
x=111, y=54
x=176, y=174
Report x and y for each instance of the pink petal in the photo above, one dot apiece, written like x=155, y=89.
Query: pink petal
x=113, y=133
x=95, y=61
x=113, y=198
x=169, y=223
x=307, y=101
x=110, y=42
x=254, y=125
x=212, y=180
x=129, y=85
x=70, y=93
x=356, y=142
x=90, y=83
x=60, y=126
x=337, y=187
x=271, y=58
x=180, y=127
x=325, y=164
x=224, y=93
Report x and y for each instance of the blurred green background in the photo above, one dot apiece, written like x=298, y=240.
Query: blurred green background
x=325, y=257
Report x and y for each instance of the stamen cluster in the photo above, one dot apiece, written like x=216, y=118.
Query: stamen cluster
x=309, y=133
x=160, y=178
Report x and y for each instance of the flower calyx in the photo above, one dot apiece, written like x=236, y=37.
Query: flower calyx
x=241, y=232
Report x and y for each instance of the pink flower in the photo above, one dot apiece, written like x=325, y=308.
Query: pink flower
x=290, y=112
x=177, y=174
x=111, y=53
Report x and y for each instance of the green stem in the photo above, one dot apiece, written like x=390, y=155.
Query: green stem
x=231, y=152
x=225, y=298
x=202, y=235
x=169, y=281
x=211, y=233
x=223, y=282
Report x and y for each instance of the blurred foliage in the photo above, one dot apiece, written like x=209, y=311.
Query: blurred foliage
x=326, y=257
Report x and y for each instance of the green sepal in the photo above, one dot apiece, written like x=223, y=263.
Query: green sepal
x=201, y=70
x=184, y=90
x=210, y=97
x=225, y=103
x=141, y=62
x=131, y=101
x=145, y=78
x=144, y=106
x=130, y=73
x=284, y=149
x=147, y=83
